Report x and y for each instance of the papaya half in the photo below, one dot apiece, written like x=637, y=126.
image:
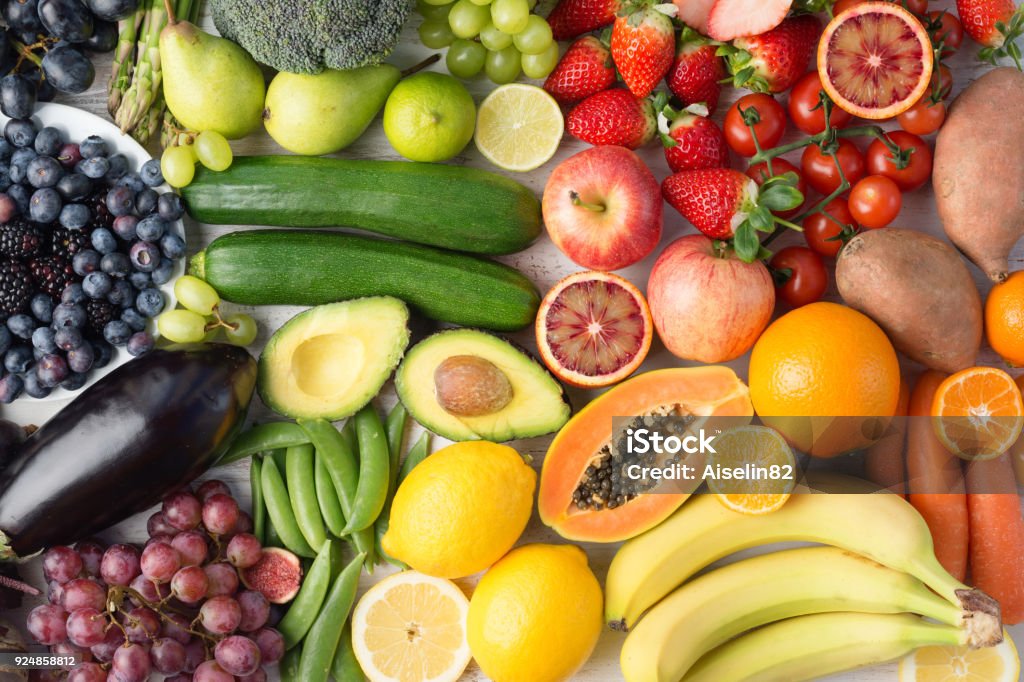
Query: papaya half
x=572, y=500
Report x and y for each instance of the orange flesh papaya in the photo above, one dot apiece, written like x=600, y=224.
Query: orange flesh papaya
x=712, y=391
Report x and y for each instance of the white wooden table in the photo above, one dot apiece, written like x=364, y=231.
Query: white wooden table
x=545, y=265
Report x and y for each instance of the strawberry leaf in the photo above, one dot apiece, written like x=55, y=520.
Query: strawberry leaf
x=761, y=220
x=781, y=197
x=746, y=244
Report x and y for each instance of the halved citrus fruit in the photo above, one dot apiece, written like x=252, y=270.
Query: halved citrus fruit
x=980, y=412
x=594, y=329
x=519, y=127
x=767, y=464
x=960, y=664
x=875, y=60
x=411, y=627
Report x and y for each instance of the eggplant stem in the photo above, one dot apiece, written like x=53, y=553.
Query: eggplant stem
x=18, y=585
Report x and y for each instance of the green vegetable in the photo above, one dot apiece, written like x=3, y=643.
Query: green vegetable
x=290, y=665
x=279, y=508
x=417, y=454
x=302, y=493
x=268, y=267
x=394, y=426
x=327, y=497
x=306, y=605
x=269, y=436
x=273, y=539
x=453, y=207
x=322, y=639
x=304, y=36
x=259, y=510
x=374, y=477
x=345, y=666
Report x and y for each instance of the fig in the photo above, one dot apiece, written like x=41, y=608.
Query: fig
x=277, y=575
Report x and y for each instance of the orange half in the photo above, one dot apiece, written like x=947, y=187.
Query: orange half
x=980, y=412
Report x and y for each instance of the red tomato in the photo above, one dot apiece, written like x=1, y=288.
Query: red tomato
x=822, y=231
x=843, y=5
x=919, y=166
x=875, y=201
x=944, y=26
x=808, y=278
x=918, y=7
x=924, y=118
x=802, y=100
x=759, y=173
x=821, y=172
x=769, y=130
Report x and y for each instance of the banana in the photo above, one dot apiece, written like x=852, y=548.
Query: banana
x=811, y=647
x=726, y=602
x=883, y=527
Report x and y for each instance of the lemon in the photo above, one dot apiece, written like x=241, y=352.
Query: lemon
x=755, y=449
x=461, y=510
x=519, y=127
x=961, y=664
x=429, y=117
x=536, y=615
x=411, y=627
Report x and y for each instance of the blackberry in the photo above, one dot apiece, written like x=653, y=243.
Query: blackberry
x=100, y=313
x=101, y=216
x=52, y=274
x=20, y=239
x=16, y=287
x=66, y=243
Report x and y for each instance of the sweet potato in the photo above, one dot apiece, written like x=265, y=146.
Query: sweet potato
x=979, y=170
x=918, y=290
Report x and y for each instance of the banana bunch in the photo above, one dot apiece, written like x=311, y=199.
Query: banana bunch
x=854, y=596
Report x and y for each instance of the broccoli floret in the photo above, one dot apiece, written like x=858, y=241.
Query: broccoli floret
x=305, y=36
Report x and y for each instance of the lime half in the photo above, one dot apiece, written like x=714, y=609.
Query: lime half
x=519, y=127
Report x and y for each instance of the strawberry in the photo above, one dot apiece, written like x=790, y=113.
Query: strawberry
x=572, y=18
x=731, y=19
x=773, y=61
x=995, y=24
x=696, y=71
x=643, y=44
x=585, y=68
x=614, y=117
x=694, y=13
x=694, y=142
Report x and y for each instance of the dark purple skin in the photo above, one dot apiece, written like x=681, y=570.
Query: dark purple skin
x=149, y=427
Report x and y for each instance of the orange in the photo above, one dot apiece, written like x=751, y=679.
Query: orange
x=875, y=60
x=1004, y=319
x=826, y=377
x=980, y=412
x=756, y=450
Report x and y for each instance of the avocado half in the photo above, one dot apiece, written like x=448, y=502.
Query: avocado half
x=331, y=360
x=537, y=406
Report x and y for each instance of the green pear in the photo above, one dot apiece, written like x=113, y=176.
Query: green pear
x=210, y=83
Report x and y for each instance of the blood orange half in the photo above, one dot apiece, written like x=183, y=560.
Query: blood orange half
x=594, y=329
x=875, y=60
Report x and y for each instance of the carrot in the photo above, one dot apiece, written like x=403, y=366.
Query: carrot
x=936, y=480
x=997, y=535
x=884, y=462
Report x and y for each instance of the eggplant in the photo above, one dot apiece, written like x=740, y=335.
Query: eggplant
x=147, y=428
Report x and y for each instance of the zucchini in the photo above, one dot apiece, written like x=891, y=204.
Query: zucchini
x=301, y=267
x=453, y=207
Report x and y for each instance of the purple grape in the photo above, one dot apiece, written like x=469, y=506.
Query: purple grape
x=141, y=624
x=159, y=562
x=55, y=592
x=220, y=615
x=192, y=547
x=210, y=671
x=47, y=624
x=195, y=654
x=183, y=510
x=61, y=563
x=259, y=676
x=68, y=649
x=220, y=514
x=255, y=610
x=168, y=656
x=244, y=550
x=131, y=663
x=180, y=677
x=88, y=672
x=82, y=593
x=189, y=584
x=244, y=523
x=104, y=653
x=223, y=579
x=271, y=644
x=86, y=627
x=212, y=487
x=238, y=655
x=175, y=626
x=165, y=539
x=92, y=554
x=148, y=590
x=120, y=565
x=157, y=525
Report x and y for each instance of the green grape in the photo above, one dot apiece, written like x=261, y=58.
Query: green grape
x=510, y=16
x=241, y=329
x=214, y=331
x=493, y=39
x=535, y=38
x=437, y=2
x=196, y=295
x=503, y=66
x=178, y=166
x=466, y=19
x=541, y=65
x=465, y=58
x=433, y=12
x=181, y=326
x=436, y=34
x=213, y=150
x=531, y=4
x=480, y=2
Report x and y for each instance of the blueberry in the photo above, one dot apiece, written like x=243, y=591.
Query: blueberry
x=74, y=381
x=124, y=227
x=117, y=332
x=6, y=338
x=34, y=387
x=21, y=197
x=69, y=315
x=122, y=294
x=74, y=187
x=23, y=156
x=94, y=168
x=70, y=155
x=5, y=150
x=45, y=205
x=103, y=240
x=145, y=202
x=173, y=246
x=116, y=264
x=134, y=319
x=43, y=339
x=151, y=173
x=170, y=207
x=92, y=147
x=103, y=353
x=48, y=141
x=118, y=167
x=73, y=293
x=74, y=216
x=85, y=261
x=150, y=302
x=140, y=343
x=44, y=171
x=164, y=272
x=140, y=280
x=52, y=370
x=97, y=285
x=18, y=359
x=132, y=181
x=21, y=325
x=80, y=358
x=5, y=178
x=69, y=339
x=151, y=229
x=11, y=387
x=145, y=256
x=20, y=132
x=42, y=308
x=120, y=201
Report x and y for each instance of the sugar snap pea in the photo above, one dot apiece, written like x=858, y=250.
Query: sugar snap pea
x=281, y=460
x=289, y=667
x=394, y=427
x=374, y=479
x=323, y=637
x=273, y=539
x=339, y=457
x=269, y=436
x=327, y=497
x=306, y=605
x=417, y=454
x=302, y=492
x=279, y=509
x=259, y=510
x=348, y=433
x=345, y=667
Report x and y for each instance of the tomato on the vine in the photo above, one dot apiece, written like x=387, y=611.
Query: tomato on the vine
x=875, y=201
x=917, y=7
x=759, y=173
x=918, y=164
x=803, y=99
x=769, y=130
x=924, y=118
x=943, y=78
x=946, y=28
x=807, y=277
x=821, y=172
x=822, y=231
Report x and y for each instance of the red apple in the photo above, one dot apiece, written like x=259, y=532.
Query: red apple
x=603, y=208
x=707, y=304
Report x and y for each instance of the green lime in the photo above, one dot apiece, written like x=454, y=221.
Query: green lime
x=429, y=117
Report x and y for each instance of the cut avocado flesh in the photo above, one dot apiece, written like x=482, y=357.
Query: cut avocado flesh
x=537, y=405
x=331, y=360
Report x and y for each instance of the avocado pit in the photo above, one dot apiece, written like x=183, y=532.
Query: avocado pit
x=471, y=386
